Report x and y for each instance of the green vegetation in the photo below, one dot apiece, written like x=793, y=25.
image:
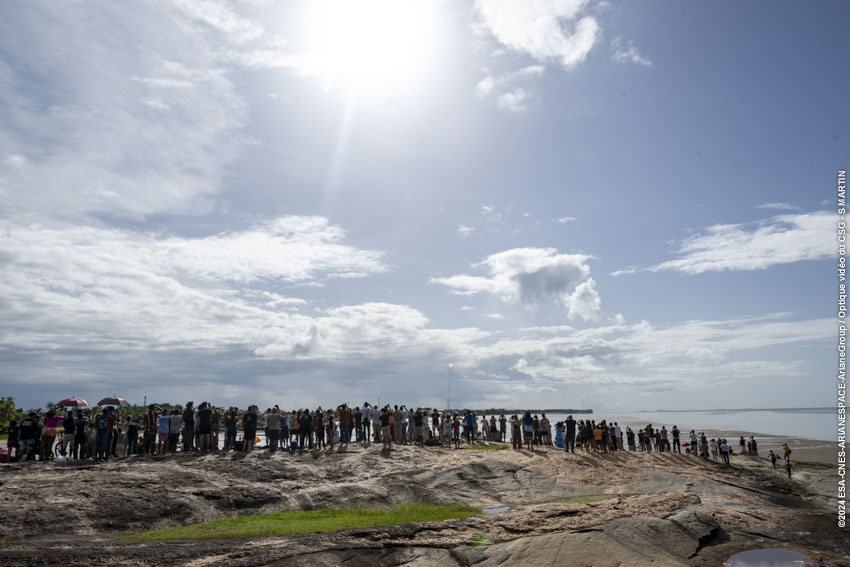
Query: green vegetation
x=587, y=499
x=480, y=541
x=8, y=412
x=499, y=447
x=309, y=522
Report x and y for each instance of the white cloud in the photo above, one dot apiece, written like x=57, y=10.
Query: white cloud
x=565, y=220
x=683, y=353
x=627, y=53
x=625, y=271
x=488, y=84
x=135, y=119
x=544, y=29
x=778, y=207
x=485, y=86
x=533, y=275
x=782, y=239
x=515, y=101
x=496, y=316
x=85, y=288
x=465, y=231
x=585, y=302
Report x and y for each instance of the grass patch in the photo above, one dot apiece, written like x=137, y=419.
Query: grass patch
x=588, y=499
x=499, y=447
x=481, y=541
x=309, y=522
x=4, y=436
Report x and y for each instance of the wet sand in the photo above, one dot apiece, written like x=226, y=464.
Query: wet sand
x=664, y=509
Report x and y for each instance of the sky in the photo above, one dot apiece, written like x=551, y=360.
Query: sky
x=506, y=203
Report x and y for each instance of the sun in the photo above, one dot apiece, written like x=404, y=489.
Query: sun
x=372, y=42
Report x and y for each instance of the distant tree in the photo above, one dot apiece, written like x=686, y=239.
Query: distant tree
x=8, y=412
x=49, y=405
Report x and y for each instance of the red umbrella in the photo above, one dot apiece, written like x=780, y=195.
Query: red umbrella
x=72, y=402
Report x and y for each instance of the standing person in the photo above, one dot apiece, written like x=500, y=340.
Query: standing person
x=386, y=418
x=772, y=457
x=358, y=424
x=69, y=427
x=665, y=445
x=788, y=468
x=151, y=425
x=205, y=426
x=677, y=446
x=80, y=439
x=48, y=435
x=133, y=435
x=396, y=425
x=528, y=430
x=618, y=436
x=630, y=438
x=503, y=428
x=319, y=427
x=693, y=439
x=175, y=425
x=28, y=432
x=329, y=427
x=273, y=423
x=786, y=450
x=724, y=451
x=456, y=430
x=101, y=425
x=188, y=426
x=545, y=430
x=163, y=432
x=516, y=433
x=249, y=425
x=307, y=429
x=366, y=412
x=435, y=421
x=713, y=448
x=570, y=435
x=418, y=427
x=215, y=425
x=743, y=445
x=230, y=429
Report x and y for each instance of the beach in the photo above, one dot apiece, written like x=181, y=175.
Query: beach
x=549, y=508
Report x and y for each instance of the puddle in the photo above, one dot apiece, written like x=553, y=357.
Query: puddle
x=768, y=558
x=489, y=511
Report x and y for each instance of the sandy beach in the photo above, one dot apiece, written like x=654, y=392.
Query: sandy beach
x=658, y=509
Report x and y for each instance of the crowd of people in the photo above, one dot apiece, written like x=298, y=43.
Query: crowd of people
x=81, y=435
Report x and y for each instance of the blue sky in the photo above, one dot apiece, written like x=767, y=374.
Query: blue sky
x=587, y=204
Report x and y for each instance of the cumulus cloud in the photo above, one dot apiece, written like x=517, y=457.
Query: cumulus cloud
x=516, y=100
x=565, y=220
x=782, y=239
x=544, y=29
x=551, y=32
x=79, y=286
x=465, y=231
x=675, y=354
x=627, y=53
x=531, y=276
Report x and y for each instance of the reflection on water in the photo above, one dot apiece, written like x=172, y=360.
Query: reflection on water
x=767, y=558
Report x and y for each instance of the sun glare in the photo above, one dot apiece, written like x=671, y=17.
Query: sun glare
x=372, y=42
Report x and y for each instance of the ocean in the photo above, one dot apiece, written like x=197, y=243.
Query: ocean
x=812, y=423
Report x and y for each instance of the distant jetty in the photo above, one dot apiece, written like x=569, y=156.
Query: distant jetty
x=512, y=411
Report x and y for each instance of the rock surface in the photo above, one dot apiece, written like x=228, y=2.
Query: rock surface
x=661, y=509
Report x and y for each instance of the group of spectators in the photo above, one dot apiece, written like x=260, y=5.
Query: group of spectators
x=81, y=435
